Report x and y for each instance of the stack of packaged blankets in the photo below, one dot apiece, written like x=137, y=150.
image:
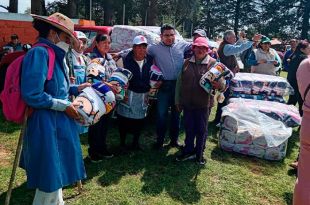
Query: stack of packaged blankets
x=260, y=87
x=122, y=36
x=256, y=121
x=258, y=128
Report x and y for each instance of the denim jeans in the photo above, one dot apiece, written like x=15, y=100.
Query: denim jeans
x=165, y=100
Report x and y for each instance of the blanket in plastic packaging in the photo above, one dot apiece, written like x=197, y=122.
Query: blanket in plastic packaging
x=260, y=84
x=288, y=114
x=122, y=36
x=248, y=131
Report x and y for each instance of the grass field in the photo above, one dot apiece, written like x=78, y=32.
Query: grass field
x=153, y=177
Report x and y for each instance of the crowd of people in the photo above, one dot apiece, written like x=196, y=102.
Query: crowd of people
x=52, y=129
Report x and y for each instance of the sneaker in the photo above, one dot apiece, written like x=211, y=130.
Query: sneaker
x=184, y=157
x=107, y=154
x=201, y=161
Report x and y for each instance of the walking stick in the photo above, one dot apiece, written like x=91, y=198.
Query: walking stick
x=16, y=159
x=79, y=186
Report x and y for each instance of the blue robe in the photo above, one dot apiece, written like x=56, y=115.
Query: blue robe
x=51, y=155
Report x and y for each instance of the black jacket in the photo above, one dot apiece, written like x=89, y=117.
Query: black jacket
x=140, y=81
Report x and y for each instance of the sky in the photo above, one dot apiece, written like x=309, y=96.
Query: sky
x=22, y=4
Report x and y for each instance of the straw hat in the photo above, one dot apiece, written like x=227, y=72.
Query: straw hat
x=60, y=21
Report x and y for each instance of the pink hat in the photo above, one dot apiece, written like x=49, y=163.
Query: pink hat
x=201, y=41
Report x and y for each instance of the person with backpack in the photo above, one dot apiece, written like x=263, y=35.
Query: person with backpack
x=302, y=187
x=51, y=153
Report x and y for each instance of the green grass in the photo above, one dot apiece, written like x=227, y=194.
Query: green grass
x=153, y=177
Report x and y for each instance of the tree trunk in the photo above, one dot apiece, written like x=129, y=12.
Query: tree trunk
x=13, y=7
x=71, y=7
x=152, y=11
x=237, y=16
x=108, y=13
x=305, y=20
x=36, y=7
x=44, y=12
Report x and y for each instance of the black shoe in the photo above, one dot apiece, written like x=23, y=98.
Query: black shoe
x=184, y=157
x=95, y=158
x=107, y=154
x=201, y=161
x=157, y=146
x=175, y=144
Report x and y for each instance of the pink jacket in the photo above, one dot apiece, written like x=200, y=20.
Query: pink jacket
x=303, y=79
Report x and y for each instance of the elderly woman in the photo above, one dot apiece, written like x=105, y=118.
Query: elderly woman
x=132, y=111
x=195, y=101
x=97, y=133
x=302, y=187
x=51, y=154
x=264, y=60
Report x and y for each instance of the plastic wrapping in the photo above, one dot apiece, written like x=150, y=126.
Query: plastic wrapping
x=156, y=78
x=122, y=36
x=248, y=131
x=260, y=84
x=288, y=114
x=218, y=72
x=264, y=97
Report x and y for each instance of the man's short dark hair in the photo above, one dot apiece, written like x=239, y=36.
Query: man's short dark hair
x=14, y=36
x=166, y=27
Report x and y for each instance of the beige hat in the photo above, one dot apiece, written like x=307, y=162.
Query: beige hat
x=59, y=21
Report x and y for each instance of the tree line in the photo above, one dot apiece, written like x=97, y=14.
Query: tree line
x=275, y=18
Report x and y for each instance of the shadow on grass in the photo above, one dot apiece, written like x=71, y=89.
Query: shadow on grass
x=157, y=170
x=7, y=127
x=20, y=195
x=293, y=143
x=288, y=197
x=159, y=173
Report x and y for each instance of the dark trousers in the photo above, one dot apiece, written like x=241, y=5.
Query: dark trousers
x=218, y=114
x=165, y=100
x=97, y=136
x=129, y=125
x=196, y=127
x=296, y=98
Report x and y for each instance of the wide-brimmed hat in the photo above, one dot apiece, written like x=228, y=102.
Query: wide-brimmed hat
x=201, y=41
x=60, y=21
